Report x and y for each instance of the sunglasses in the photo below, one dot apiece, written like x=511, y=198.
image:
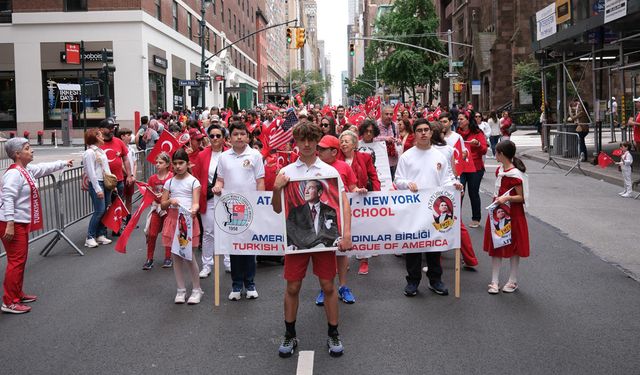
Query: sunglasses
x=324, y=125
x=212, y=136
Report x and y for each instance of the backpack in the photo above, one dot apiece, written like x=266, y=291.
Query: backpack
x=142, y=145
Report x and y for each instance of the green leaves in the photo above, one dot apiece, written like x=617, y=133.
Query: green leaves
x=312, y=83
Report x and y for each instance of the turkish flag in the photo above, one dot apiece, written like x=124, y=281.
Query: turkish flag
x=114, y=216
x=147, y=198
x=462, y=164
x=166, y=143
x=617, y=152
x=395, y=112
x=604, y=160
x=357, y=118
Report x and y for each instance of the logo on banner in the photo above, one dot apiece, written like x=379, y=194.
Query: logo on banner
x=234, y=213
x=442, y=204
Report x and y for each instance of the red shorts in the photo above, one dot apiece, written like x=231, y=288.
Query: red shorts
x=324, y=265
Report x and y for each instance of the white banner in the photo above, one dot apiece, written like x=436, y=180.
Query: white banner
x=404, y=222
x=614, y=9
x=245, y=224
x=546, y=21
x=181, y=245
x=378, y=151
x=500, y=222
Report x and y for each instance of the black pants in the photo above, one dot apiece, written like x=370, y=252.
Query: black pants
x=583, y=145
x=414, y=267
x=473, y=180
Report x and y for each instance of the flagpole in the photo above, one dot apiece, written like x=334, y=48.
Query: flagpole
x=216, y=282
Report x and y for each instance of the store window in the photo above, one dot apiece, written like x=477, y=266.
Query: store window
x=178, y=95
x=94, y=97
x=75, y=5
x=7, y=100
x=157, y=92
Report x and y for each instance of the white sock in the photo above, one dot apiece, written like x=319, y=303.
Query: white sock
x=496, y=262
x=513, y=275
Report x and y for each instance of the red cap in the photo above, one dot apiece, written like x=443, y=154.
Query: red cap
x=195, y=133
x=329, y=141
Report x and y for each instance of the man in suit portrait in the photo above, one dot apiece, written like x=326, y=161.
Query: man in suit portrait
x=312, y=224
x=501, y=218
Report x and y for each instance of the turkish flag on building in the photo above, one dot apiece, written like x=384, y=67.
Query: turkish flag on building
x=604, y=160
x=462, y=164
x=114, y=216
x=166, y=143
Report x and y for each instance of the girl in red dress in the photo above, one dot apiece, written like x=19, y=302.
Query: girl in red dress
x=512, y=190
x=156, y=217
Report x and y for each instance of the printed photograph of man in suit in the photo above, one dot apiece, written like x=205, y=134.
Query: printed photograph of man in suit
x=501, y=218
x=312, y=224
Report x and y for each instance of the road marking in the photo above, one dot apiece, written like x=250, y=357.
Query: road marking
x=305, y=363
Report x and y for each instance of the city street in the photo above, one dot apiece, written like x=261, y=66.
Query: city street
x=574, y=312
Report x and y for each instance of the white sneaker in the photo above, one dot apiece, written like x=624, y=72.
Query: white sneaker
x=227, y=268
x=626, y=195
x=102, y=240
x=90, y=242
x=252, y=294
x=425, y=269
x=180, y=296
x=622, y=193
x=235, y=296
x=195, y=297
x=206, y=271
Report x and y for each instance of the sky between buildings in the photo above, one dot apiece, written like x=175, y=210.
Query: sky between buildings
x=332, y=28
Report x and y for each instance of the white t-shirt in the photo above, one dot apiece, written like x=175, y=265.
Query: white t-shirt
x=495, y=127
x=240, y=171
x=447, y=152
x=298, y=169
x=213, y=165
x=426, y=168
x=182, y=190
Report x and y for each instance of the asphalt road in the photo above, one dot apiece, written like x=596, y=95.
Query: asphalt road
x=100, y=314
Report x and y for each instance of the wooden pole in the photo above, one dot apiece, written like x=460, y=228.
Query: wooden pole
x=216, y=281
x=457, y=280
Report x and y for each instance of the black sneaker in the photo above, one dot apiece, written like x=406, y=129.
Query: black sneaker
x=168, y=263
x=439, y=288
x=335, y=346
x=288, y=347
x=411, y=290
x=148, y=265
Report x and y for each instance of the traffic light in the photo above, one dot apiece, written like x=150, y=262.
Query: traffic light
x=352, y=49
x=289, y=35
x=206, y=68
x=107, y=60
x=301, y=38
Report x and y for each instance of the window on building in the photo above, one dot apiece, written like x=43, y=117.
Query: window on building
x=208, y=36
x=213, y=5
x=189, y=28
x=252, y=15
x=235, y=30
x=5, y=11
x=157, y=92
x=243, y=5
x=159, y=9
x=222, y=9
x=229, y=15
x=174, y=14
x=7, y=100
x=75, y=5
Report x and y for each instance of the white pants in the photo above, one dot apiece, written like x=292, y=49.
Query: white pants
x=208, y=243
x=626, y=176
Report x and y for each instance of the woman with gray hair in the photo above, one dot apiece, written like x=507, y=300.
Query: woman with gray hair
x=366, y=174
x=20, y=213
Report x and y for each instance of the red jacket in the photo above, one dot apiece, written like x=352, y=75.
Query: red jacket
x=362, y=166
x=201, y=172
x=409, y=142
x=476, y=152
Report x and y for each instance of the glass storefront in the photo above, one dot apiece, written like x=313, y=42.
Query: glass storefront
x=7, y=100
x=94, y=97
x=157, y=92
x=178, y=95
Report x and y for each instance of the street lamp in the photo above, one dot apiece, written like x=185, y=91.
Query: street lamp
x=203, y=64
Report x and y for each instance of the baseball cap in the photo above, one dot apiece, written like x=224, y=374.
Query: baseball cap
x=195, y=134
x=329, y=141
x=109, y=123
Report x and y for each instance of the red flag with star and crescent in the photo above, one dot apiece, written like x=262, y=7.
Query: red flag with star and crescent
x=114, y=216
x=462, y=165
x=166, y=143
x=148, y=197
x=604, y=160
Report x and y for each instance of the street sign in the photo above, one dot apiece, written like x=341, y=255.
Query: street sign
x=451, y=75
x=188, y=82
x=457, y=64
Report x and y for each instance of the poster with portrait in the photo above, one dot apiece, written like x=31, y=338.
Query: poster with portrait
x=181, y=245
x=312, y=214
x=378, y=153
x=500, y=221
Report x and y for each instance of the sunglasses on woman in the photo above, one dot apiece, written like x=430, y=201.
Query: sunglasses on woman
x=324, y=125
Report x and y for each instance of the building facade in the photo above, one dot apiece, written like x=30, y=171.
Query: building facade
x=155, y=46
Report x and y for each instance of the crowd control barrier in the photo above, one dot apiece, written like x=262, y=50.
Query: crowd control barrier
x=566, y=146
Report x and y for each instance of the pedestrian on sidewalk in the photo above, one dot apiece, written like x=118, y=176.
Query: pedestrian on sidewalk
x=157, y=216
x=505, y=126
x=96, y=166
x=511, y=193
x=20, y=213
x=494, y=137
x=182, y=189
x=626, y=160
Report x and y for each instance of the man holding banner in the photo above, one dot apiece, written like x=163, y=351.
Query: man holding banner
x=423, y=167
x=307, y=135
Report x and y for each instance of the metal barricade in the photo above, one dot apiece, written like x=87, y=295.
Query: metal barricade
x=5, y=162
x=566, y=146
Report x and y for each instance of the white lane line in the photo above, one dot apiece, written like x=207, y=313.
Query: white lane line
x=305, y=362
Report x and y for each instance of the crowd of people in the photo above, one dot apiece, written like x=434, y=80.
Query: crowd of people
x=261, y=150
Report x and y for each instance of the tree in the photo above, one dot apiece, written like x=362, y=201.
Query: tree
x=365, y=84
x=414, y=22
x=312, y=83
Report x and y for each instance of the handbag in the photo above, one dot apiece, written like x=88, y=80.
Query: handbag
x=109, y=180
x=513, y=128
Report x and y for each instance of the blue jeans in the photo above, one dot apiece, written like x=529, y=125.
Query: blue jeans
x=243, y=270
x=96, y=228
x=473, y=180
x=493, y=140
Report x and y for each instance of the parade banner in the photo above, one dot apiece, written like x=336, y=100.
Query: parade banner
x=245, y=224
x=405, y=222
x=500, y=221
x=378, y=152
x=312, y=214
x=182, y=238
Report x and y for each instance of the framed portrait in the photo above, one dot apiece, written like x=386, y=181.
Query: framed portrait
x=313, y=214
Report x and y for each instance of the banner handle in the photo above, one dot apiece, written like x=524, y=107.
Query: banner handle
x=216, y=280
x=457, y=276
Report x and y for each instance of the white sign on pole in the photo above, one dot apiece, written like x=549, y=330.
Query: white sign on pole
x=476, y=87
x=378, y=151
x=614, y=9
x=546, y=21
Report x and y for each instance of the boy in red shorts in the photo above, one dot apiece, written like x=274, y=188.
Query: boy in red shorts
x=307, y=136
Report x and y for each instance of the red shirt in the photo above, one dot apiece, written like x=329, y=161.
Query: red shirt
x=156, y=183
x=346, y=174
x=116, y=150
x=476, y=152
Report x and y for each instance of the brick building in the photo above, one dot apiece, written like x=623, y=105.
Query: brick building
x=155, y=45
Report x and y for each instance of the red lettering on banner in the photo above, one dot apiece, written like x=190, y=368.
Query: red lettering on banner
x=426, y=243
x=372, y=212
x=366, y=246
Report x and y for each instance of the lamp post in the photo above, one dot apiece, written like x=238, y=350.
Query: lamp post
x=203, y=62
